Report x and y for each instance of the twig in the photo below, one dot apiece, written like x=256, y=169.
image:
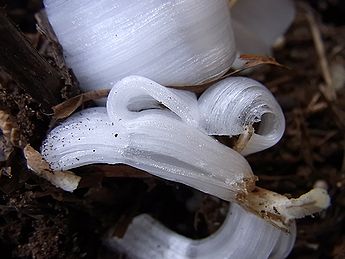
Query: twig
x=328, y=90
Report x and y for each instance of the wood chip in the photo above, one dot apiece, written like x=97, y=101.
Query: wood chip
x=279, y=210
x=65, y=180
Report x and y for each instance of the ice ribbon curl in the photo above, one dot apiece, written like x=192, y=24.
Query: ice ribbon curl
x=161, y=131
x=234, y=240
x=165, y=132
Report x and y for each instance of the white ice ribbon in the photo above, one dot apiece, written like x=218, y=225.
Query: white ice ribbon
x=172, y=42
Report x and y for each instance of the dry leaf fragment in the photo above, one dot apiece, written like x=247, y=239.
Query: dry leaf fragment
x=255, y=60
x=249, y=60
x=65, y=180
x=65, y=109
x=10, y=130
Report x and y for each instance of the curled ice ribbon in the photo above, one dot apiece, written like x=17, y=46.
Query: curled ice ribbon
x=242, y=235
x=164, y=132
x=233, y=104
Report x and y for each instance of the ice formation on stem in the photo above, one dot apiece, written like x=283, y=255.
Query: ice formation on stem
x=165, y=131
x=172, y=42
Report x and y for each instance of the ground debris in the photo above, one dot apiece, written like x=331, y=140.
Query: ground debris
x=65, y=109
x=65, y=180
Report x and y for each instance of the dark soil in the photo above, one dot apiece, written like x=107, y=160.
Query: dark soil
x=38, y=220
